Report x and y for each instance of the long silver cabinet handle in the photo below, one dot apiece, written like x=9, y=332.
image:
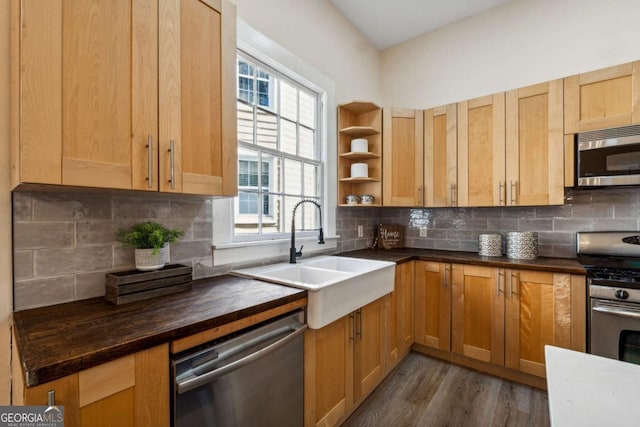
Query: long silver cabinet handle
x=420, y=195
x=451, y=199
x=359, y=313
x=211, y=376
x=446, y=269
x=172, y=170
x=353, y=326
x=617, y=312
x=150, y=160
x=511, y=285
x=500, y=193
x=512, y=184
x=500, y=274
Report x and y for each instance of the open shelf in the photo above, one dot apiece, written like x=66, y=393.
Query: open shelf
x=359, y=120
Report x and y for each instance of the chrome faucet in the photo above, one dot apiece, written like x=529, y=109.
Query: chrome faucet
x=293, y=253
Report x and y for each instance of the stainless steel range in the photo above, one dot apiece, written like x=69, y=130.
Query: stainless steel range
x=612, y=261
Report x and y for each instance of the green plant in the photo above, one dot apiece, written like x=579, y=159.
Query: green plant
x=148, y=235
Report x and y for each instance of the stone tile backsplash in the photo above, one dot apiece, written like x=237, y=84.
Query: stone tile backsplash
x=64, y=243
x=458, y=228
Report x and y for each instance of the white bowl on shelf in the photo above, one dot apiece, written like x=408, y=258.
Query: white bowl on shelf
x=359, y=170
x=359, y=145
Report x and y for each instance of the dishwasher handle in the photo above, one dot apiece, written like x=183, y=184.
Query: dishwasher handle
x=192, y=383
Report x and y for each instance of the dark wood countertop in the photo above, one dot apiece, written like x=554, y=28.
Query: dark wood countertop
x=558, y=265
x=59, y=340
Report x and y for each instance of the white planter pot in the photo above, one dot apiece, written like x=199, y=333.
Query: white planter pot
x=147, y=261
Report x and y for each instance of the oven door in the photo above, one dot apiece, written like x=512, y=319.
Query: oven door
x=614, y=163
x=615, y=330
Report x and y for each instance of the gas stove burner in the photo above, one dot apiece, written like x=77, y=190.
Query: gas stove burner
x=614, y=274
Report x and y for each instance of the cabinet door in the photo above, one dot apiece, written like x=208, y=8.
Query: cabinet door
x=88, y=99
x=433, y=304
x=197, y=97
x=440, y=156
x=538, y=312
x=329, y=372
x=402, y=157
x=535, y=145
x=125, y=392
x=481, y=151
x=602, y=99
x=478, y=313
x=400, y=315
x=368, y=351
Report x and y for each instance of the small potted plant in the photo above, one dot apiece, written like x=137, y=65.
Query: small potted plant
x=149, y=240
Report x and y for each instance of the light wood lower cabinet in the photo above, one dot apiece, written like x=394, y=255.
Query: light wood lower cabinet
x=433, y=304
x=505, y=317
x=130, y=391
x=347, y=359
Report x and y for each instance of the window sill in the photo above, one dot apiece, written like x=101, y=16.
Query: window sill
x=261, y=251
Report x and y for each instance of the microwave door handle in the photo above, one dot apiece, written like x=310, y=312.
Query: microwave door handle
x=192, y=383
x=617, y=312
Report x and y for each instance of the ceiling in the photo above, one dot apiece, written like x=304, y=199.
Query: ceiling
x=389, y=22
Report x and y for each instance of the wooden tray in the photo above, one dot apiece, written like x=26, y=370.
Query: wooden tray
x=133, y=285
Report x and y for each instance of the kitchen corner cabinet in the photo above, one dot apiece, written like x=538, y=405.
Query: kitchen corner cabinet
x=130, y=391
x=505, y=317
x=440, y=156
x=535, y=145
x=481, y=151
x=126, y=94
x=433, y=304
x=600, y=99
x=359, y=120
x=402, y=158
x=344, y=362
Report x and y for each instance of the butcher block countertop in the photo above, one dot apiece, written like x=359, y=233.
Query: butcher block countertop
x=59, y=340
x=557, y=265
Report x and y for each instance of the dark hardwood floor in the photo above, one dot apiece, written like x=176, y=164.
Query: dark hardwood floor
x=423, y=391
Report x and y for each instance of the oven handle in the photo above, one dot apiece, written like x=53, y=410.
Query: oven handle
x=616, y=311
x=192, y=383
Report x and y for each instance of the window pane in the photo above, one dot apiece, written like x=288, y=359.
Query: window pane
x=271, y=222
x=308, y=109
x=245, y=68
x=246, y=209
x=307, y=143
x=310, y=215
x=311, y=178
x=288, y=101
x=292, y=177
x=306, y=215
x=288, y=137
x=245, y=122
x=267, y=90
x=247, y=168
x=267, y=129
x=271, y=167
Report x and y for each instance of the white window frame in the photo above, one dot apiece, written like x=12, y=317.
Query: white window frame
x=230, y=250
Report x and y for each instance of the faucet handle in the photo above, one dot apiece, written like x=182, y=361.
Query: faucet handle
x=299, y=252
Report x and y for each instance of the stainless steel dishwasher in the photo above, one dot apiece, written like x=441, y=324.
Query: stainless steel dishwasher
x=255, y=378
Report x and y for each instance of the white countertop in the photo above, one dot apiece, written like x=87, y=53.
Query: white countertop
x=587, y=390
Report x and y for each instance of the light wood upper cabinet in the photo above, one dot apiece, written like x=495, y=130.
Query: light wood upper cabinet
x=602, y=99
x=477, y=313
x=130, y=391
x=481, y=151
x=542, y=308
x=440, y=156
x=433, y=304
x=535, y=145
x=127, y=94
x=402, y=159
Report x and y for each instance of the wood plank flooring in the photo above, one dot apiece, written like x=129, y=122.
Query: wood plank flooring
x=423, y=391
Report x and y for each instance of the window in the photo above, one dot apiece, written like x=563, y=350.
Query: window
x=279, y=153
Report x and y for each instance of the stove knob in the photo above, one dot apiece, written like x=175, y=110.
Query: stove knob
x=622, y=294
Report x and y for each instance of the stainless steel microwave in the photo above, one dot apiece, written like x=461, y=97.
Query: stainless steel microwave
x=608, y=157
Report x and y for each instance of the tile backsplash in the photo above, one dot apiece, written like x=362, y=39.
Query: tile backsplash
x=64, y=243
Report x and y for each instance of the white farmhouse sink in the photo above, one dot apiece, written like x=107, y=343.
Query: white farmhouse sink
x=337, y=285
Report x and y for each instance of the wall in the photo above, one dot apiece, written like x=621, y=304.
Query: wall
x=5, y=212
x=65, y=242
x=315, y=32
x=516, y=44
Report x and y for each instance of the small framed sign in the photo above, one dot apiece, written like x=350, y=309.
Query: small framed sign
x=390, y=236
